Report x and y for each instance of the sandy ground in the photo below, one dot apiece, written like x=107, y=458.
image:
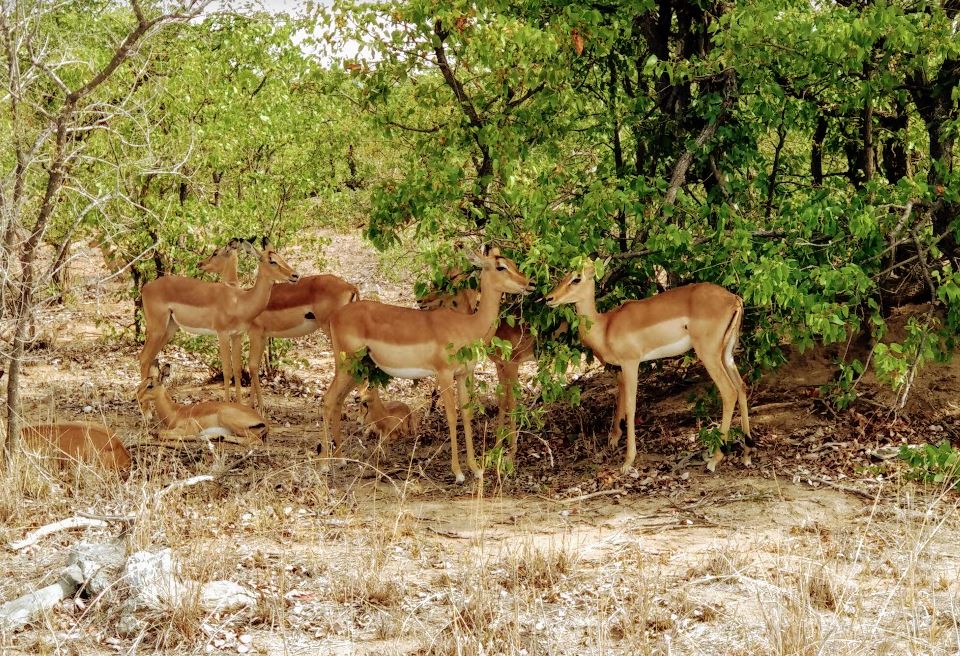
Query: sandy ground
x=819, y=548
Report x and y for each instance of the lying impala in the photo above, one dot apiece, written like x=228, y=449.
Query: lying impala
x=206, y=308
x=411, y=343
x=702, y=316
x=294, y=310
x=233, y=421
x=388, y=419
x=508, y=371
x=78, y=441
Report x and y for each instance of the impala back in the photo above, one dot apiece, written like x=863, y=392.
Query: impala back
x=79, y=442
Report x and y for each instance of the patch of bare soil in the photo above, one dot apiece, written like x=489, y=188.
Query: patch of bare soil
x=818, y=548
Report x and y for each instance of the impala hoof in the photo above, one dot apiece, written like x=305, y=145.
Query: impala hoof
x=714, y=460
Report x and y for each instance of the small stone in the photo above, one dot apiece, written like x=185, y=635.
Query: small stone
x=88, y=409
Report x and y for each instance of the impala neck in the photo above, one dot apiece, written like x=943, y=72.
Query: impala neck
x=167, y=409
x=377, y=409
x=587, y=309
x=255, y=299
x=230, y=275
x=488, y=310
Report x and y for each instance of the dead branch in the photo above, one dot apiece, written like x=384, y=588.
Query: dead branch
x=62, y=525
x=591, y=495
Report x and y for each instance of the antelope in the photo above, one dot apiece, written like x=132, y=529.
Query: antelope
x=385, y=418
x=112, y=259
x=703, y=316
x=78, y=441
x=412, y=343
x=508, y=371
x=236, y=421
x=206, y=308
x=294, y=310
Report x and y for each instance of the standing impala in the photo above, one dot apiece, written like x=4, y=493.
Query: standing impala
x=508, y=370
x=294, y=310
x=207, y=308
x=702, y=316
x=411, y=343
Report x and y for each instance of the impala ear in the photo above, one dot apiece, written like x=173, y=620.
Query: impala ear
x=265, y=243
x=247, y=246
x=154, y=371
x=484, y=257
x=164, y=373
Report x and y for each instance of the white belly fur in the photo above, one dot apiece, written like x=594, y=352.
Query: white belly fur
x=407, y=373
x=678, y=347
x=197, y=331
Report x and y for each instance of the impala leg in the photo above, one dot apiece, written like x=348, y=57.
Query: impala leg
x=513, y=389
x=226, y=362
x=728, y=394
x=628, y=378
x=463, y=399
x=448, y=399
x=741, y=389
x=616, y=428
x=236, y=349
x=502, y=395
x=254, y=360
x=341, y=386
x=158, y=335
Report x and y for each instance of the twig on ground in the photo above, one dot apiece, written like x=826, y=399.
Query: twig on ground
x=591, y=495
x=849, y=490
x=63, y=525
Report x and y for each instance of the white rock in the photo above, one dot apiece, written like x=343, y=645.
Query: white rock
x=217, y=596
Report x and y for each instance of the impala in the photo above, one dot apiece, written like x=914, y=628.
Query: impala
x=294, y=310
x=205, y=308
x=508, y=371
x=385, y=418
x=702, y=316
x=412, y=343
x=236, y=421
x=78, y=441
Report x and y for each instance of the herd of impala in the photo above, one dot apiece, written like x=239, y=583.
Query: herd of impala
x=406, y=343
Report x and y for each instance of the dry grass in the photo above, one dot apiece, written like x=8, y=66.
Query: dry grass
x=344, y=563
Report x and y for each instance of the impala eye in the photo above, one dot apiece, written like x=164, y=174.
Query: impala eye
x=575, y=281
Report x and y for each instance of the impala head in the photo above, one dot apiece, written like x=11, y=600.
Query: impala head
x=223, y=260
x=575, y=286
x=152, y=387
x=500, y=273
x=270, y=261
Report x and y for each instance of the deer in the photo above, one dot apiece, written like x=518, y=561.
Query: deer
x=294, y=309
x=701, y=316
x=411, y=343
x=234, y=422
x=205, y=308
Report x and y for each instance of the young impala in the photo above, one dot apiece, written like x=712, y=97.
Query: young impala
x=702, y=316
x=412, y=343
x=294, y=310
x=78, y=441
x=388, y=419
x=206, y=308
x=239, y=423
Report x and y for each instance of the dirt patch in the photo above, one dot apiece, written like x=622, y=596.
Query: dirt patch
x=817, y=548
